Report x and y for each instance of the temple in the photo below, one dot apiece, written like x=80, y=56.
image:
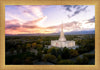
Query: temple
x=62, y=42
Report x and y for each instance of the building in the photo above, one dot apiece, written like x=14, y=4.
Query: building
x=62, y=42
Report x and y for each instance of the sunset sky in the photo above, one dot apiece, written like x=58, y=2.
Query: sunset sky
x=31, y=19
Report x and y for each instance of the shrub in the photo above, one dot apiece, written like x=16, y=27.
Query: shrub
x=34, y=45
x=45, y=50
x=65, y=62
x=52, y=51
x=39, y=55
x=79, y=60
x=28, y=60
x=85, y=60
x=16, y=61
x=50, y=58
x=65, y=53
x=89, y=56
x=59, y=58
x=73, y=52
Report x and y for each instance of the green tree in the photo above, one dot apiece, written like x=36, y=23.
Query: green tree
x=23, y=48
x=58, y=51
x=66, y=62
x=65, y=53
x=52, y=51
x=28, y=46
x=50, y=58
x=39, y=47
x=39, y=55
x=59, y=58
x=85, y=60
x=28, y=60
x=16, y=61
x=12, y=50
x=18, y=49
x=45, y=50
x=34, y=45
x=79, y=60
x=73, y=52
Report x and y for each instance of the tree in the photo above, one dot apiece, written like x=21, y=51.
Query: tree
x=85, y=60
x=45, y=50
x=59, y=51
x=34, y=45
x=59, y=58
x=79, y=60
x=39, y=47
x=50, y=58
x=16, y=61
x=65, y=53
x=39, y=55
x=52, y=51
x=65, y=62
x=18, y=49
x=23, y=48
x=12, y=50
x=73, y=52
x=28, y=60
x=28, y=45
x=89, y=56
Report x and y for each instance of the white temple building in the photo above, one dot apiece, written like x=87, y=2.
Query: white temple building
x=62, y=42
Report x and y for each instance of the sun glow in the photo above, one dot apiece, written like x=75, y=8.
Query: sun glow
x=28, y=19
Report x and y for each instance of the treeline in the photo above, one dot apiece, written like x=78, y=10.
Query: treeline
x=24, y=44
x=53, y=55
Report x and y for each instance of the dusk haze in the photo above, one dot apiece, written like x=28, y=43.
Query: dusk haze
x=46, y=19
x=50, y=34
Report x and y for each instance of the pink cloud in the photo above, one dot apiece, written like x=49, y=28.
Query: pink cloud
x=26, y=13
x=14, y=26
x=33, y=23
x=15, y=17
x=12, y=22
x=36, y=10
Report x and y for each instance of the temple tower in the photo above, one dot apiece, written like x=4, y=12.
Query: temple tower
x=62, y=37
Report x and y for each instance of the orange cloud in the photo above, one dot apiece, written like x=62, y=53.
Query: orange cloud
x=35, y=23
x=14, y=27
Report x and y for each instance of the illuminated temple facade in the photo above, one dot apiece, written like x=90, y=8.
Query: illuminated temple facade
x=62, y=42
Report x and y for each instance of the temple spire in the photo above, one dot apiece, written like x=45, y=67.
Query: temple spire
x=62, y=37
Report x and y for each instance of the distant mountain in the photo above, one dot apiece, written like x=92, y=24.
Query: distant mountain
x=66, y=33
x=81, y=32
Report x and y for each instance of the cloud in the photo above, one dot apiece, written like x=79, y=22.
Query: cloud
x=79, y=10
x=27, y=27
x=35, y=10
x=68, y=7
x=12, y=22
x=92, y=20
x=52, y=27
x=74, y=9
x=13, y=26
x=30, y=27
x=34, y=22
x=34, y=19
x=71, y=26
x=67, y=27
x=26, y=13
x=15, y=17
